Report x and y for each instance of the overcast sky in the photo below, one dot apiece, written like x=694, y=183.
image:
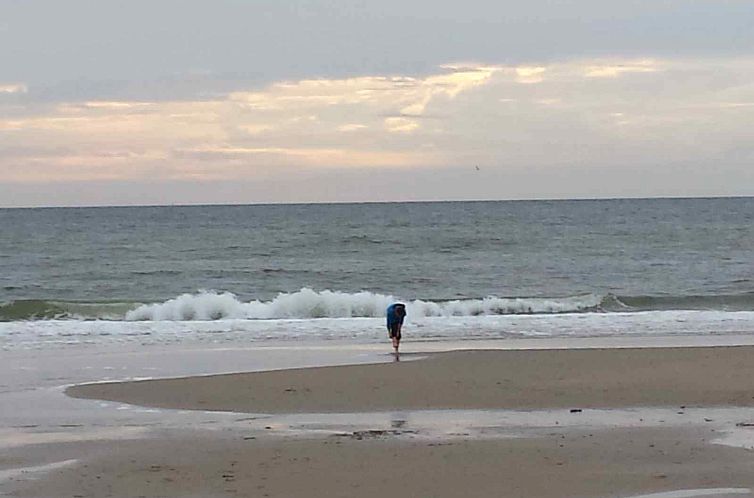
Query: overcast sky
x=183, y=102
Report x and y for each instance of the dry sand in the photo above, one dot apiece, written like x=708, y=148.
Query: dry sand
x=558, y=462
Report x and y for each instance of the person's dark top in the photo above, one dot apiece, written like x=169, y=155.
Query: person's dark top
x=394, y=318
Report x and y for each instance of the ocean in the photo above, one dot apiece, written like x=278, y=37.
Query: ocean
x=467, y=270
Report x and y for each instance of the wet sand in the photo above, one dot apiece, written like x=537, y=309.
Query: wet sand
x=608, y=378
x=558, y=464
x=550, y=462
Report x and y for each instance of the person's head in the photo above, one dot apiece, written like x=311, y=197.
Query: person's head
x=400, y=309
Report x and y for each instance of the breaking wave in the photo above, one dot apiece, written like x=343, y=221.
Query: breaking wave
x=307, y=303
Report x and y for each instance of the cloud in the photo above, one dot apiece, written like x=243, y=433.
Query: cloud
x=256, y=129
x=616, y=70
x=349, y=127
x=459, y=79
x=13, y=88
x=555, y=114
x=530, y=74
x=400, y=125
x=278, y=156
x=408, y=95
x=115, y=105
x=548, y=102
x=735, y=105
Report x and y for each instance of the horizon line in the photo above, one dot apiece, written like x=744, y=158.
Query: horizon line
x=425, y=201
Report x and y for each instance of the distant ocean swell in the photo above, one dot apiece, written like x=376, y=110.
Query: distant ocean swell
x=307, y=303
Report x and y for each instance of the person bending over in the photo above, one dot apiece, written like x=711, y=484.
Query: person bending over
x=395, y=314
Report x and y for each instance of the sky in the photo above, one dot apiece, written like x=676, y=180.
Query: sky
x=106, y=102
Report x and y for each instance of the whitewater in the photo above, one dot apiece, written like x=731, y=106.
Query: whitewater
x=308, y=303
x=67, y=333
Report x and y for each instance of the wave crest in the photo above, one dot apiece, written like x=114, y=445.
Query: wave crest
x=308, y=303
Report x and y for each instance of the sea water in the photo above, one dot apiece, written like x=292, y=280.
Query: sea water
x=467, y=270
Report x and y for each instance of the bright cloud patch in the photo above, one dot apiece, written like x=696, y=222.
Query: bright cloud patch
x=615, y=70
x=528, y=75
x=403, y=94
x=13, y=88
x=400, y=125
x=351, y=127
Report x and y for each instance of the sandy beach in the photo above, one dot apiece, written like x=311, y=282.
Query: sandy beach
x=554, y=461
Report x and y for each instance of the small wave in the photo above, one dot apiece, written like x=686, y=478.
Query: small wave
x=721, y=302
x=157, y=273
x=308, y=303
x=38, y=309
x=363, y=239
x=31, y=309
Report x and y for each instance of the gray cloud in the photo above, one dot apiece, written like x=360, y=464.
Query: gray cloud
x=140, y=49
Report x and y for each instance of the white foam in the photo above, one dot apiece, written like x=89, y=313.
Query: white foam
x=308, y=303
x=62, y=333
